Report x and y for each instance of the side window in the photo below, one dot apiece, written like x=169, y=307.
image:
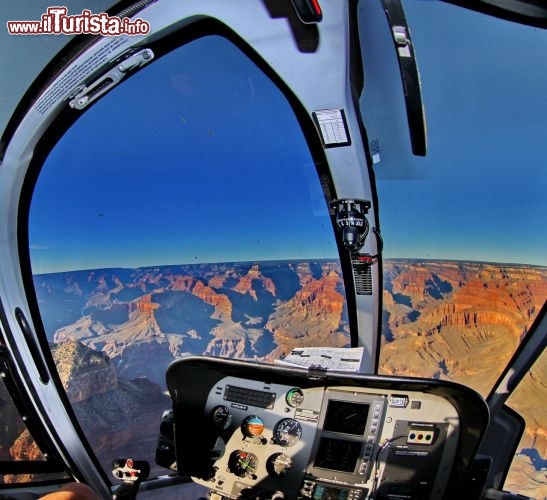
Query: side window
x=21, y=458
x=527, y=473
x=465, y=268
x=181, y=214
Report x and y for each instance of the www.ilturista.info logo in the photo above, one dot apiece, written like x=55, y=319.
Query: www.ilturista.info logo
x=56, y=22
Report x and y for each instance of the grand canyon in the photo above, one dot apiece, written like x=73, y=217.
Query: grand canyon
x=114, y=331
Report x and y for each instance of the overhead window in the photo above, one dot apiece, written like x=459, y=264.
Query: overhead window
x=181, y=214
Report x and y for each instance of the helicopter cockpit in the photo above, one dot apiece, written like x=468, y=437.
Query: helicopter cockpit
x=236, y=263
x=279, y=432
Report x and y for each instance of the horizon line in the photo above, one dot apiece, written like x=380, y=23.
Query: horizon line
x=257, y=261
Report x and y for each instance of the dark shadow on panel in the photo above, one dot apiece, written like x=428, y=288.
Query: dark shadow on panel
x=306, y=36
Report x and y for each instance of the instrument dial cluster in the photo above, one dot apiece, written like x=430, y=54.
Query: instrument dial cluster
x=263, y=430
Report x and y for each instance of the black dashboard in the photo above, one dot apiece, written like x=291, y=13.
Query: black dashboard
x=247, y=430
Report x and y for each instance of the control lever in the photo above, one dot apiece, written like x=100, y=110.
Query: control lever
x=131, y=472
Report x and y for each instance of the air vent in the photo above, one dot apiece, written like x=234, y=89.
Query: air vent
x=250, y=397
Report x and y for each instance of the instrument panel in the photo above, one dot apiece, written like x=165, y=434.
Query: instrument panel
x=270, y=432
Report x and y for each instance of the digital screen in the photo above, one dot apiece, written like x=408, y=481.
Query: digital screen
x=337, y=454
x=322, y=492
x=346, y=417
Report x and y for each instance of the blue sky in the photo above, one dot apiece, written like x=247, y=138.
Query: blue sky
x=199, y=159
x=168, y=170
x=480, y=192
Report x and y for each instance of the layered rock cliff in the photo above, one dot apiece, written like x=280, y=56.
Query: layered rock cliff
x=84, y=372
x=118, y=416
x=456, y=320
x=246, y=283
x=313, y=317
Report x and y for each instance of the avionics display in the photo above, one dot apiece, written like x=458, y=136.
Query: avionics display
x=322, y=492
x=337, y=454
x=346, y=417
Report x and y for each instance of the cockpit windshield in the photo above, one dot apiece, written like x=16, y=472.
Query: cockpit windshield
x=189, y=211
x=197, y=225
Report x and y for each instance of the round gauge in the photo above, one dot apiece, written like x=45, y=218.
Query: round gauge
x=295, y=397
x=287, y=432
x=243, y=463
x=222, y=418
x=252, y=426
x=279, y=464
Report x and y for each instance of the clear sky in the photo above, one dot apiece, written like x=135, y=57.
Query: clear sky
x=165, y=168
x=199, y=158
x=481, y=192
